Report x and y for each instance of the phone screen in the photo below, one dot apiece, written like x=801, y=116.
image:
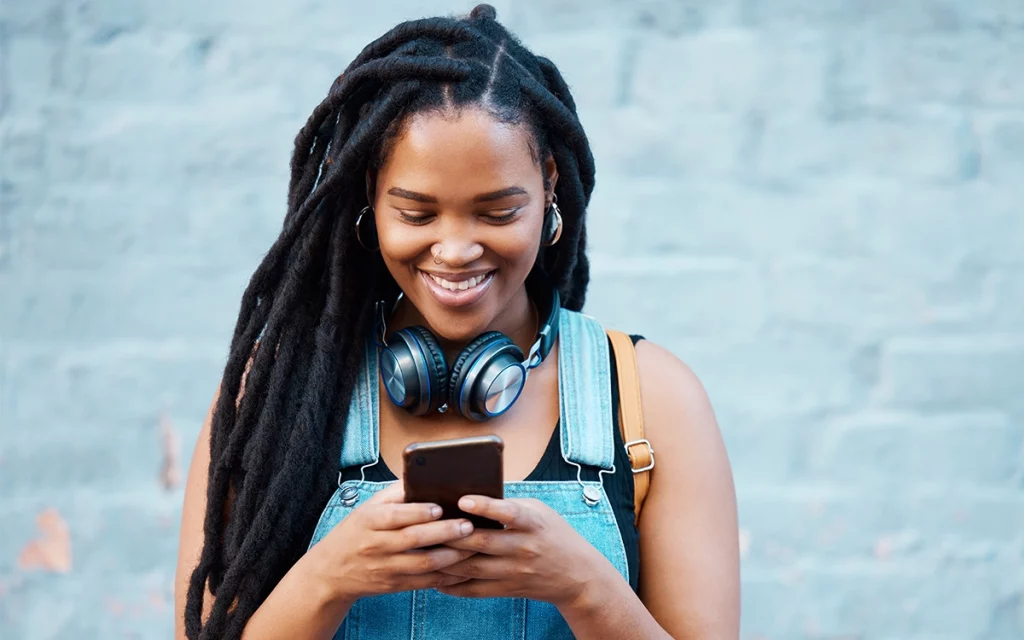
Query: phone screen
x=443, y=471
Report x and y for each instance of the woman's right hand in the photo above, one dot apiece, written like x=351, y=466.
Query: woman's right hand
x=382, y=547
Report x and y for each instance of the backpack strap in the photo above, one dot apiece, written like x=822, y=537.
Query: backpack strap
x=631, y=418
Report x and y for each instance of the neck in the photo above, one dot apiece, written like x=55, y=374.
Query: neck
x=519, y=320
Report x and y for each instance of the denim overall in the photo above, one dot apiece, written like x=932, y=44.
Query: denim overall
x=586, y=439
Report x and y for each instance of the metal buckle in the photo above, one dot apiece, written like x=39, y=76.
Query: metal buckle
x=642, y=441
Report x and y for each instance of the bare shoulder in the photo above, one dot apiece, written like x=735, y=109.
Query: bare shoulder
x=675, y=402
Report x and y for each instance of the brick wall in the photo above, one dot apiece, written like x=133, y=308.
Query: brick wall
x=816, y=203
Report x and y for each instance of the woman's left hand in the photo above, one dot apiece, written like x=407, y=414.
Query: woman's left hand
x=537, y=556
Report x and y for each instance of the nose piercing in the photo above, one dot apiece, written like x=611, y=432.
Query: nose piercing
x=437, y=256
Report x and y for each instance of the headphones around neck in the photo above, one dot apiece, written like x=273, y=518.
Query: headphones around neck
x=485, y=380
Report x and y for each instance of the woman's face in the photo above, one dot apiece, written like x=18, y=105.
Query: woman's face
x=467, y=190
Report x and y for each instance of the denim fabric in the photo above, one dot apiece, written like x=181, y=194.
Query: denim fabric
x=587, y=439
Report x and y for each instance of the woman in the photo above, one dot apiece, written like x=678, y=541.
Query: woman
x=439, y=194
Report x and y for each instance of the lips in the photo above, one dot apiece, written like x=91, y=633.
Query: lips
x=454, y=290
x=458, y=285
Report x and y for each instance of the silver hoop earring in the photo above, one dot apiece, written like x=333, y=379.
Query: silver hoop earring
x=553, y=234
x=359, y=223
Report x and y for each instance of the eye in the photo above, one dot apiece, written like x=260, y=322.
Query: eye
x=502, y=218
x=415, y=217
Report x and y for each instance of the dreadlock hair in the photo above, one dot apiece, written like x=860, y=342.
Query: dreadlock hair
x=298, y=341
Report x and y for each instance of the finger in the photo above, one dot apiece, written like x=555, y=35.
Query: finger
x=427, y=561
x=394, y=493
x=430, y=581
x=491, y=542
x=428, y=534
x=480, y=567
x=477, y=589
x=387, y=517
x=511, y=513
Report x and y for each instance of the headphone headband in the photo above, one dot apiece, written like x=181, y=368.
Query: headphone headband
x=548, y=331
x=483, y=381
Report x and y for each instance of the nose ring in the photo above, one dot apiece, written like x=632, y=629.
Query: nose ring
x=437, y=256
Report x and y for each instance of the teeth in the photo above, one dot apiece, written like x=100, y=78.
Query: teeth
x=459, y=286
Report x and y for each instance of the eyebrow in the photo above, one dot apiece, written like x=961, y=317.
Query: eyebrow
x=399, y=192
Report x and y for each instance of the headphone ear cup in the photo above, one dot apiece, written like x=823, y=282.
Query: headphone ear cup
x=462, y=364
x=471, y=376
x=437, y=367
x=414, y=370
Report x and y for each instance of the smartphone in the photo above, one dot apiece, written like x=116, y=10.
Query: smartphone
x=442, y=471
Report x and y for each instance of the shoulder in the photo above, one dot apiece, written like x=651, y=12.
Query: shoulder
x=667, y=384
x=678, y=416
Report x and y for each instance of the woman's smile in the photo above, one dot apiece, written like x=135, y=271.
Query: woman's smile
x=458, y=289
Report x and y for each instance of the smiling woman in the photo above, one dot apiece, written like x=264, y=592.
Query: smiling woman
x=434, y=249
x=459, y=208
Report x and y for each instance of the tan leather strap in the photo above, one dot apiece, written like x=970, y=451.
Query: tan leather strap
x=631, y=418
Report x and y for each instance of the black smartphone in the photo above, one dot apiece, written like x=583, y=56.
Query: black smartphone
x=443, y=471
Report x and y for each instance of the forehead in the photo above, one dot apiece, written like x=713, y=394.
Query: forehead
x=469, y=151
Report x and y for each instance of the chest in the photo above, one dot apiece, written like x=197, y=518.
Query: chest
x=525, y=429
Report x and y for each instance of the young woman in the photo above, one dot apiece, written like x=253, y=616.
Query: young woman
x=433, y=252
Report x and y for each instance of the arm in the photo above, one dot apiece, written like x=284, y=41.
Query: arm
x=299, y=606
x=689, y=535
x=689, y=546
x=384, y=546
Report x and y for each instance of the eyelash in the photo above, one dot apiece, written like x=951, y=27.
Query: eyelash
x=424, y=219
x=508, y=217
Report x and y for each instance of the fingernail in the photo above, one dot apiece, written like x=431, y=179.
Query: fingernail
x=468, y=503
x=466, y=528
x=435, y=511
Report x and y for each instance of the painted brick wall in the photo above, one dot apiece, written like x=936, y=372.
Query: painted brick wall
x=816, y=203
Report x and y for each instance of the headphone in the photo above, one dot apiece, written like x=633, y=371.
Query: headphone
x=485, y=380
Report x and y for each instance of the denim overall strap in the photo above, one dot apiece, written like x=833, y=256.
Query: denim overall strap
x=360, y=442
x=585, y=391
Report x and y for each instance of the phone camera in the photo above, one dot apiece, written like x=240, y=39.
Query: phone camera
x=421, y=461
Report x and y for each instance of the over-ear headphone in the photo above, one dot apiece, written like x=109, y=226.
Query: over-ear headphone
x=485, y=380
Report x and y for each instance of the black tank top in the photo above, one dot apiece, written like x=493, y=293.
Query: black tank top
x=553, y=468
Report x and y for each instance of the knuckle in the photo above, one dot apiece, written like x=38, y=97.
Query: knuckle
x=389, y=518
x=366, y=546
x=531, y=551
x=409, y=539
x=483, y=541
x=427, y=562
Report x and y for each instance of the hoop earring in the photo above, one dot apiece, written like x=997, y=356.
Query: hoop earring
x=552, y=235
x=359, y=223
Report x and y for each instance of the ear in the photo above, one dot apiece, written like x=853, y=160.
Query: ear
x=550, y=177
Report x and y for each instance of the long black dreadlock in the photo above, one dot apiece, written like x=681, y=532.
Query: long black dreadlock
x=307, y=308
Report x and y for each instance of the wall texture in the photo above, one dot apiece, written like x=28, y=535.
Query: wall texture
x=816, y=203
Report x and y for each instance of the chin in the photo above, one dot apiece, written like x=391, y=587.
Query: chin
x=458, y=326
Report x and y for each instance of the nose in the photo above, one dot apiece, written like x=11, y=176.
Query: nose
x=455, y=251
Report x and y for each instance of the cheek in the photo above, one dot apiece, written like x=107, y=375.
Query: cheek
x=403, y=242
x=517, y=244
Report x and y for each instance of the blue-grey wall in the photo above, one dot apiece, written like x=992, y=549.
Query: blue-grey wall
x=816, y=203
